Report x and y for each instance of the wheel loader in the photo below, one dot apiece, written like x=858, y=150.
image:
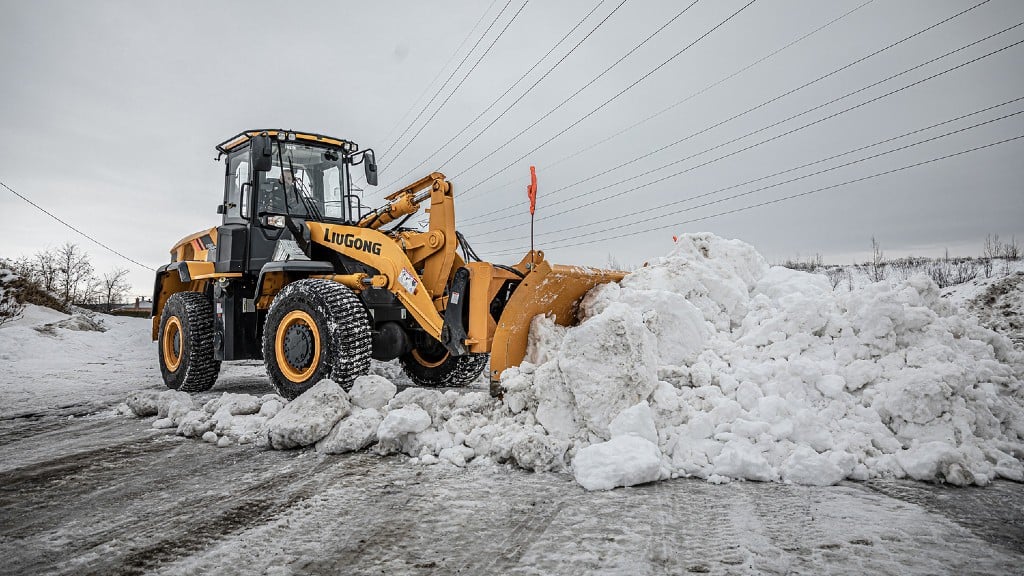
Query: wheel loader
x=305, y=277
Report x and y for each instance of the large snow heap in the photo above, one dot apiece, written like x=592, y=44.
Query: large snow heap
x=709, y=363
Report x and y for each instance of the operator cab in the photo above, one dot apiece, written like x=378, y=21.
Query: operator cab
x=274, y=175
x=279, y=173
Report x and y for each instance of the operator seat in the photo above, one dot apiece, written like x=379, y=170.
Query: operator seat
x=272, y=196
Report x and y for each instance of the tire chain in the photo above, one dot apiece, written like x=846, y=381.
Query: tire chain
x=200, y=366
x=348, y=323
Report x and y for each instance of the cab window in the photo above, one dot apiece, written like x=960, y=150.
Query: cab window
x=237, y=174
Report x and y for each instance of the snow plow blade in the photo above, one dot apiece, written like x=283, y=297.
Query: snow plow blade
x=550, y=289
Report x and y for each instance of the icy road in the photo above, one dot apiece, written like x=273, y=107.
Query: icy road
x=83, y=492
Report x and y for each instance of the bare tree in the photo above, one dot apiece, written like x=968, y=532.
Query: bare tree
x=1011, y=250
x=993, y=246
x=44, y=270
x=835, y=275
x=877, y=265
x=115, y=285
x=75, y=282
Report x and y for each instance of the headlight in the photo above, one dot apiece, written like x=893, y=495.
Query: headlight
x=275, y=221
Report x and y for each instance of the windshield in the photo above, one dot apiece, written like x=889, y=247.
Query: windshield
x=301, y=172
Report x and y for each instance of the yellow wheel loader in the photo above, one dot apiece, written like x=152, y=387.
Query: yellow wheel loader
x=301, y=274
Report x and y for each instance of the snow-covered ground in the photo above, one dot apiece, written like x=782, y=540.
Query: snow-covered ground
x=53, y=361
x=707, y=364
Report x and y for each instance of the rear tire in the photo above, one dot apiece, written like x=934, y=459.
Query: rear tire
x=315, y=329
x=434, y=367
x=186, y=343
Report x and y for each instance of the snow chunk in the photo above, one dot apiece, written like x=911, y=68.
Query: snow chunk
x=309, y=417
x=399, y=425
x=926, y=461
x=433, y=401
x=372, y=391
x=805, y=466
x=195, y=423
x=608, y=363
x=236, y=404
x=173, y=405
x=539, y=452
x=636, y=421
x=143, y=403
x=351, y=434
x=741, y=459
x=621, y=461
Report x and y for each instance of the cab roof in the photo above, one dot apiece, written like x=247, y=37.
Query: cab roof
x=243, y=138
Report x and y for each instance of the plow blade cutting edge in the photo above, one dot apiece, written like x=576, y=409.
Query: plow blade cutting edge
x=550, y=289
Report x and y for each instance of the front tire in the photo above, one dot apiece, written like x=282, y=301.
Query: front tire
x=315, y=329
x=433, y=366
x=186, y=343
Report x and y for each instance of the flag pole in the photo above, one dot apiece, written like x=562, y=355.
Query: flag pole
x=531, y=191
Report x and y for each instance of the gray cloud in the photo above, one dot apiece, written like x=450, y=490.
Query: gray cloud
x=111, y=111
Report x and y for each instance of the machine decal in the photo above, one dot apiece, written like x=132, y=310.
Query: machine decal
x=352, y=241
x=408, y=281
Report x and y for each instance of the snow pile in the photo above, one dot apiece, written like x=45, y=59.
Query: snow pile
x=767, y=374
x=705, y=363
x=61, y=368
x=79, y=321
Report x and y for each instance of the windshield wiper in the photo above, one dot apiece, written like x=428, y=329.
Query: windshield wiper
x=311, y=208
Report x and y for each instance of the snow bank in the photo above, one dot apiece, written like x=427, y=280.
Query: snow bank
x=709, y=363
x=49, y=361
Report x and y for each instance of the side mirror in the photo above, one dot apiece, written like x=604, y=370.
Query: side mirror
x=370, y=167
x=222, y=209
x=261, y=153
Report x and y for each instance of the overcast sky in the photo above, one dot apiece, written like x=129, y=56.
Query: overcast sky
x=111, y=110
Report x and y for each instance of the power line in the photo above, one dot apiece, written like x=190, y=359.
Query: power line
x=761, y=105
x=783, y=134
x=447, y=80
x=602, y=105
x=503, y=94
x=97, y=242
x=440, y=71
x=459, y=85
x=784, y=182
x=538, y=81
x=670, y=107
x=581, y=89
x=777, y=200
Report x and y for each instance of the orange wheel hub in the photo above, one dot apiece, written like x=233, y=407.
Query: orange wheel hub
x=429, y=363
x=172, y=343
x=297, y=346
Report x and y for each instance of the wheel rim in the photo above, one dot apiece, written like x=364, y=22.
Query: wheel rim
x=426, y=361
x=297, y=346
x=172, y=343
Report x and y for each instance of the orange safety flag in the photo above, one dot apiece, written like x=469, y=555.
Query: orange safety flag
x=531, y=190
